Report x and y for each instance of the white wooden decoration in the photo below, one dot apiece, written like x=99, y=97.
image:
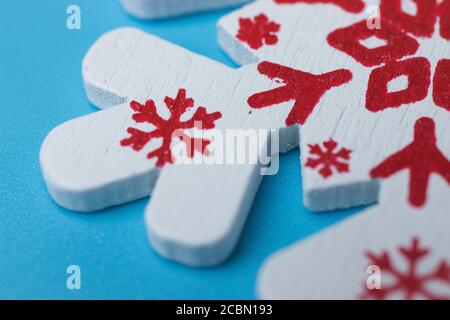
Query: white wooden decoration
x=156, y=9
x=110, y=157
x=388, y=127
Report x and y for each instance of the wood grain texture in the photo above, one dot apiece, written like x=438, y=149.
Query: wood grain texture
x=157, y=9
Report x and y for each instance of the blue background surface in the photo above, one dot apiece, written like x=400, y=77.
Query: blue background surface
x=41, y=87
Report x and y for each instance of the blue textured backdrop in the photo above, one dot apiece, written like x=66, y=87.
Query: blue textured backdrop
x=41, y=87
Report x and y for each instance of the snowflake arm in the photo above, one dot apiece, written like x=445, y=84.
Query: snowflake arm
x=138, y=139
x=193, y=144
x=422, y=157
x=146, y=113
x=391, y=165
x=202, y=119
x=163, y=154
x=304, y=88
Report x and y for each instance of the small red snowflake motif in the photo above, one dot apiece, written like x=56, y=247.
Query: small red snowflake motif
x=409, y=283
x=422, y=158
x=353, y=6
x=170, y=129
x=328, y=158
x=258, y=31
x=304, y=88
x=398, y=30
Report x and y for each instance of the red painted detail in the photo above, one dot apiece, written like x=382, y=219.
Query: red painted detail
x=171, y=128
x=417, y=70
x=258, y=31
x=398, y=44
x=412, y=282
x=441, y=84
x=353, y=6
x=421, y=25
x=328, y=158
x=444, y=14
x=422, y=158
x=304, y=88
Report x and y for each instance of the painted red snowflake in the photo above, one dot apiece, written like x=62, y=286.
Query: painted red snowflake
x=328, y=158
x=422, y=158
x=258, y=31
x=409, y=283
x=170, y=129
x=398, y=30
x=304, y=88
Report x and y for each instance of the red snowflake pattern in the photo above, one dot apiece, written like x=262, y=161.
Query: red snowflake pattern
x=328, y=158
x=398, y=30
x=409, y=283
x=353, y=6
x=422, y=158
x=304, y=88
x=258, y=31
x=170, y=129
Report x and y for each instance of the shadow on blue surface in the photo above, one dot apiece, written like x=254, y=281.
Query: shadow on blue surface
x=41, y=87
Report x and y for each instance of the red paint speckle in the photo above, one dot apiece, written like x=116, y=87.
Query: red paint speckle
x=422, y=158
x=328, y=158
x=410, y=283
x=258, y=31
x=353, y=6
x=169, y=129
x=304, y=88
x=417, y=70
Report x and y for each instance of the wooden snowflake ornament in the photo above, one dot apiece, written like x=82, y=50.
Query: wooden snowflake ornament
x=380, y=137
x=157, y=97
